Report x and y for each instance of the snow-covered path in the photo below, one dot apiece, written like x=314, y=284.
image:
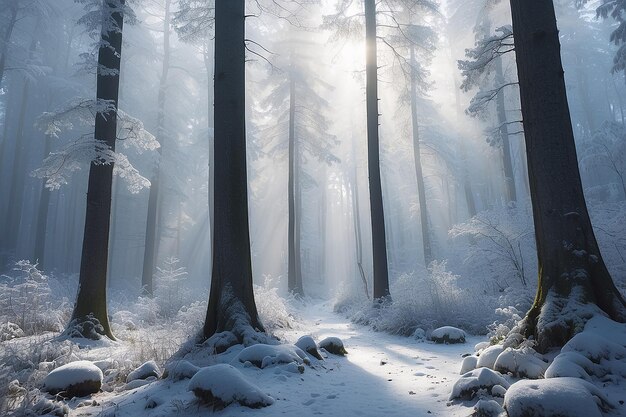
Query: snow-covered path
x=382, y=375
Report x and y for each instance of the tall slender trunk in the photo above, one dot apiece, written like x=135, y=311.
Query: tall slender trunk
x=379, y=248
x=91, y=299
x=6, y=39
x=357, y=230
x=509, y=177
x=421, y=189
x=42, y=215
x=294, y=271
x=231, y=300
x=571, y=268
x=208, y=64
x=151, y=237
x=619, y=100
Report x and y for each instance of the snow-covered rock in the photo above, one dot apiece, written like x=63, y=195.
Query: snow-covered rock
x=146, y=370
x=481, y=346
x=488, y=356
x=223, y=384
x=469, y=363
x=307, y=344
x=487, y=408
x=448, y=335
x=10, y=331
x=571, y=364
x=179, y=370
x=482, y=378
x=520, y=362
x=263, y=356
x=75, y=379
x=333, y=345
x=555, y=397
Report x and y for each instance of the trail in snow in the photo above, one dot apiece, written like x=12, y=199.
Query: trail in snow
x=382, y=375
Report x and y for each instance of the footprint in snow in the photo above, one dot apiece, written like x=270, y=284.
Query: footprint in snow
x=308, y=402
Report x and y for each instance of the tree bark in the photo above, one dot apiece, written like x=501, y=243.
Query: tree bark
x=509, y=177
x=91, y=301
x=421, y=188
x=150, y=245
x=571, y=269
x=231, y=300
x=379, y=248
x=42, y=215
x=294, y=271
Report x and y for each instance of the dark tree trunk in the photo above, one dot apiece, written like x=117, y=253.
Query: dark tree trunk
x=421, y=189
x=379, y=248
x=294, y=271
x=571, y=269
x=42, y=216
x=16, y=190
x=6, y=38
x=467, y=184
x=149, y=257
x=91, y=299
x=509, y=178
x=231, y=301
x=357, y=230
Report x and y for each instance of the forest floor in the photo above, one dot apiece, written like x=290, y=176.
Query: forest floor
x=382, y=375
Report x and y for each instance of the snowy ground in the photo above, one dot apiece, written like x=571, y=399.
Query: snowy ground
x=382, y=375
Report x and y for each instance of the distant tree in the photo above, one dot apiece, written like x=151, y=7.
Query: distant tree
x=231, y=301
x=573, y=278
x=90, y=317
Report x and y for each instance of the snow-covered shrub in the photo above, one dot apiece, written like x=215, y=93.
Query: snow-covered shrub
x=272, y=308
x=427, y=301
x=169, y=287
x=28, y=304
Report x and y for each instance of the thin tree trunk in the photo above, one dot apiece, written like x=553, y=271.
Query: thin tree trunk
x=509, y=177
x=379, y=241
x=294, y=272
x=571, y=268
x=357, y=230
x=42, y=215
x=6, y=39
x=231, y=300
x=91, y=301
x=421, y=188
x=150, y=242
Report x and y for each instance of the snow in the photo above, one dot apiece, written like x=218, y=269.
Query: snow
x=182, y=369
x=488, y=408
x=146, y=370
x=478, y=379
x=307, y=344
x=555, y=397
x=226, y=384
x=524, y=363
x=333, y=345
x=448, y=334
x=489, y=356
x=468, y=364
x=73, y=373
x=263, y=356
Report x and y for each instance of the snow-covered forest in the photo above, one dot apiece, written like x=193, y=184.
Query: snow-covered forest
x=313, y=207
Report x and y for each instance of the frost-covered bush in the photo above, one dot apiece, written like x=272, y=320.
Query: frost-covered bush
x=272, y=308
x=427, y=301
x=170, y=294
x=28, y=304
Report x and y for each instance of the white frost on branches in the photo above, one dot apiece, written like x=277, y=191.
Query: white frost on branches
x=59, y=166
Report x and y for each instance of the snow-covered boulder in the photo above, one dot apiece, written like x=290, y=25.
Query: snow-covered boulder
x=469, y=363
x=263, y=356
x=448, y=335
x=307, y=344
x=523, y=363
x=222, y=384
x=10, y=331
x=333, y=345
x=487, y=408
x=146, y=370
x=75, y=379
x=555, y=397
x=488, y=356
x=571, y=364
x=179, y=370
x=482, y=378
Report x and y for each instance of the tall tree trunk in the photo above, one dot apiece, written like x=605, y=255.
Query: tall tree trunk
x=91, y=301
x=571, y=268
x=208, y=64
x=150, y=245
x=509, y=177
x=6, y=38
x=294, y=271
x=42, y=215
x=231, y=301
x=357, y=230
x=379, y=248
x=421, y=189
x=18, y=176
